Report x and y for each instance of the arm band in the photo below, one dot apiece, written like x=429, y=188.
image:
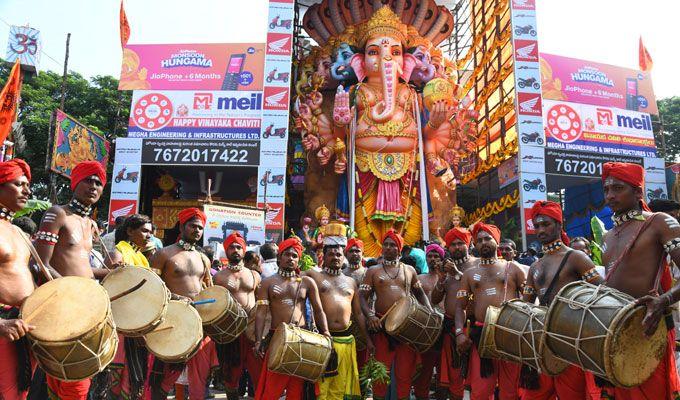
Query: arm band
x=671, y=245
x=364, y=287
x=461, y=294
x=418, y=285
x=47, y=237
x=529, y=290
x=590, y=275
x=262, y=302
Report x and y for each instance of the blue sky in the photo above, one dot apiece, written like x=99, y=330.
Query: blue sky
x=598, y=30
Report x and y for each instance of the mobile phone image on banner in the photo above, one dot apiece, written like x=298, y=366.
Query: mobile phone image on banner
x=234, y=69
x=632, y=94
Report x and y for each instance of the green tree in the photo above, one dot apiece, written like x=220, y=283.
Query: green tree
x=669, y=110
x=96, y=103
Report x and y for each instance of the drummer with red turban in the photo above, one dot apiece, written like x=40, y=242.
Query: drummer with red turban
x=391, y=281
x=237, y=356
x=283, y=295
x=64, y=242
x=559, y=266
x=457, y=241
x=17, y=282
x=185, y=271
x=490, y=283
x=636, y=251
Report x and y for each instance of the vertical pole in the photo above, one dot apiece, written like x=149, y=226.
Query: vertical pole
x=51, y=142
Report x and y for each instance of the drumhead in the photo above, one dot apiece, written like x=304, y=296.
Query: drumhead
x=487, y=344
x=180, y=340
x=76, y=306
x=211, y=312
x=633, y=357
x=140, y=308
x=398, y=314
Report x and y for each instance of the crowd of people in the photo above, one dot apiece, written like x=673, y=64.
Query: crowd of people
x=340, y=294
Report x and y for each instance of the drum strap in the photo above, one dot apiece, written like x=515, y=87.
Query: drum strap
x=613, y=266
x=297, y=293
x=546, y=299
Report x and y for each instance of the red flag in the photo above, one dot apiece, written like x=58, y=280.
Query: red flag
x=124, y=26
x=8, y=101
x=645, y=61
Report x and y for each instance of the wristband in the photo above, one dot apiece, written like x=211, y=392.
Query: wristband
x=459, y=331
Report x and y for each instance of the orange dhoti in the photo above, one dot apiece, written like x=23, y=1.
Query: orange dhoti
x=129, y=369
x=236, y=357
x=450, y=376
x=16, y=366
x=392, y=353
x=485, y=374
x=60, y=390
x=569, y=385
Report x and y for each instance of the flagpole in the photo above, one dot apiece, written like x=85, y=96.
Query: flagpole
x=51, y=142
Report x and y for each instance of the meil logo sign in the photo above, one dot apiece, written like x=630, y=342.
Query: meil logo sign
x=203, y=101
x=604, y=116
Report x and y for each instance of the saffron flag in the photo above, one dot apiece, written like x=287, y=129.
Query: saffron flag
x=124, y=26
x=8, y=101
x=645, y=61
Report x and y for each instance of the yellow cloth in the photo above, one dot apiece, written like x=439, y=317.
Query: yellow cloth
x=132, y=256
x=345, y=385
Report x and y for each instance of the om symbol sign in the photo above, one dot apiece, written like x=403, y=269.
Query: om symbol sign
x=25, y=44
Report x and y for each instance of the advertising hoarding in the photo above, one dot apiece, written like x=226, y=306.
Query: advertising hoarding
x=203, y=66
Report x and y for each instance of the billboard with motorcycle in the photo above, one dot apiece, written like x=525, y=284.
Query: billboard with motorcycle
x=598, y=129
x=202, y=66
x=581, y=81
x=223, y=220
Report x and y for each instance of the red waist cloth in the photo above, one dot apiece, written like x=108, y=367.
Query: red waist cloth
x=569, y=385
x=272, y=384
x=60, y=390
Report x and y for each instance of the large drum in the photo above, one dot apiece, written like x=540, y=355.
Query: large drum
x=600, y=330
x=75, y=336
x=178, y=337
x=142, y=310
x=487, y=344
x=299, y=352
x=250, y=329
x=411, y=323
x=518, y=336
x=224, y=320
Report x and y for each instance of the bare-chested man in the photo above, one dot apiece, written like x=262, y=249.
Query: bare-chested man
x=508, y=250
x=283, y=295
x=237, y=356
x=457, y=242
x=635, y=253
x=490, y=283
x=355, y=255
x=434, y=256
x=64, y=241
x=559, y=266
x=391, y=281
x=16, y=282
x=340, y=300
x=185, y=271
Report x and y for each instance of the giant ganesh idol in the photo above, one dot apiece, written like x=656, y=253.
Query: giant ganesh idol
x=382, y=123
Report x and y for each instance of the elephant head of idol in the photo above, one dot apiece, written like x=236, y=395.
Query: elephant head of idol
x=383, y=61
x=344, y=49
x=420, y=47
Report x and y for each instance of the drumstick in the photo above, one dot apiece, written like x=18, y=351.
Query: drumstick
x=388, y=311
x=128, y=291
x=35, y=312
x=34, y=253
x=165, y=328
x=104, y=249
x=205, y=301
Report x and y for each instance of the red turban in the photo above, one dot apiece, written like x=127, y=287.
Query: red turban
x=457, y=233
x=488, y=228
x=235, y=237
x=291, y=242
x=354, y=242
x=392, y=234
x=190, y=213
x=86, y=169
x=12, y=169
x=632, y=174
x=552, y=210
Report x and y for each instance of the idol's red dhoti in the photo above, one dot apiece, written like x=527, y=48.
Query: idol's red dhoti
x=60, y=390
x=198, y=369
x=9, y=388
x=569, y=385
x=664, y=383
x=404, y=358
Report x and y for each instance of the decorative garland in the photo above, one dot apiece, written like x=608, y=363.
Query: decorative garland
x=493, y=208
